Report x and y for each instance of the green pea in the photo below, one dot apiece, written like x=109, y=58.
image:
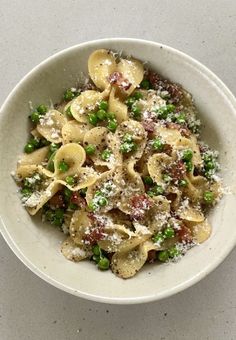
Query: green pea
x=181, y=118
x=208, y=197
x=128, y=147
x=102, y=201
x=83, y=192
x=59, y=213
x=29, y=148
x=162, y=113
x=209, y=165
x=130, y=101
x=187, y=155
x=58, y=217
x=163, y=256
x=42, y=109
x=68, y=95
x=93, y=119
x=26, y=192
x=158, y=238
x=70, y=180
x=127, y=138
x=92, y=206
x=148, y=180
x=72, y=206
x=158, y=190
x=35, y=116
x=136, y=111
x=170, y=107
x=54, y=147
x=103, y=105
x=106, y=154
x=209, y=173
x=189, y=166
x=207, y=158
x=98, y=193
x=138, y=95
x=145, y=84
x=173, y=252
x=101, y=114
x=96, y=258
x=166, y=178
x=67, y=194
x=112, y=125
x=96, y=250
x=35, y=142
x=183, y=183
x=63, y=166
x=110, y=115
x=68, y=111
x=49, y=215
x=90, y=149
x=158, y=144
x=169, y=232
x=151, y=193
x=104, y=263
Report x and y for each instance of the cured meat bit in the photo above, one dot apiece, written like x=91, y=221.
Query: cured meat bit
x=148, y=124
x=185, y=132
x=116, y=78
x=95, y=234
x=167, y=149
x=160, y=84
x=57, y=201
x=78, y=200
x=184, y=234
x=151, y=256
x=96, y=221
x=140, y=204
x=178, y=170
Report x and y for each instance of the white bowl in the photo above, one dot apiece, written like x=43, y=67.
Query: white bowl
x=38, y=245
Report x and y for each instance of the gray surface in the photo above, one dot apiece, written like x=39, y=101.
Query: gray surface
x=32, y=31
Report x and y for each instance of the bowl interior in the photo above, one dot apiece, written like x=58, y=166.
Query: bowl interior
x=38, y=245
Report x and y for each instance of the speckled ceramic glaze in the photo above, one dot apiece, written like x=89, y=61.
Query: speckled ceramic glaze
x=38, y=245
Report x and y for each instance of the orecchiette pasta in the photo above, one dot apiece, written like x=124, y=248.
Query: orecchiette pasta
x=118, y=166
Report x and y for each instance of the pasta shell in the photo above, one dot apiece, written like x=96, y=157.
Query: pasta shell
x=133, y=71
x=130, y=185
x=84, y=177
x=24, y=171
x=115, y=236
x=36, y=157
x=201, y=231
x=126, y=264
x=101, y=64
x=139, y=135
x=116, y=106
x=74, y=132
x=86, y=102
x=72, y=251
x=191, y=214
x=156, y=166
x=38, y=199
x=169, y=136
x=74, y=156
x=50, y=126
x=196, y=187
x=108, y=184
x=80, y=224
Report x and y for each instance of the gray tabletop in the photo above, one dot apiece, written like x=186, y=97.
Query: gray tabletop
x=30, y=32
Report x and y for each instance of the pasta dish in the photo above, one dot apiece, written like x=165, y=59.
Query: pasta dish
x=119, y=167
